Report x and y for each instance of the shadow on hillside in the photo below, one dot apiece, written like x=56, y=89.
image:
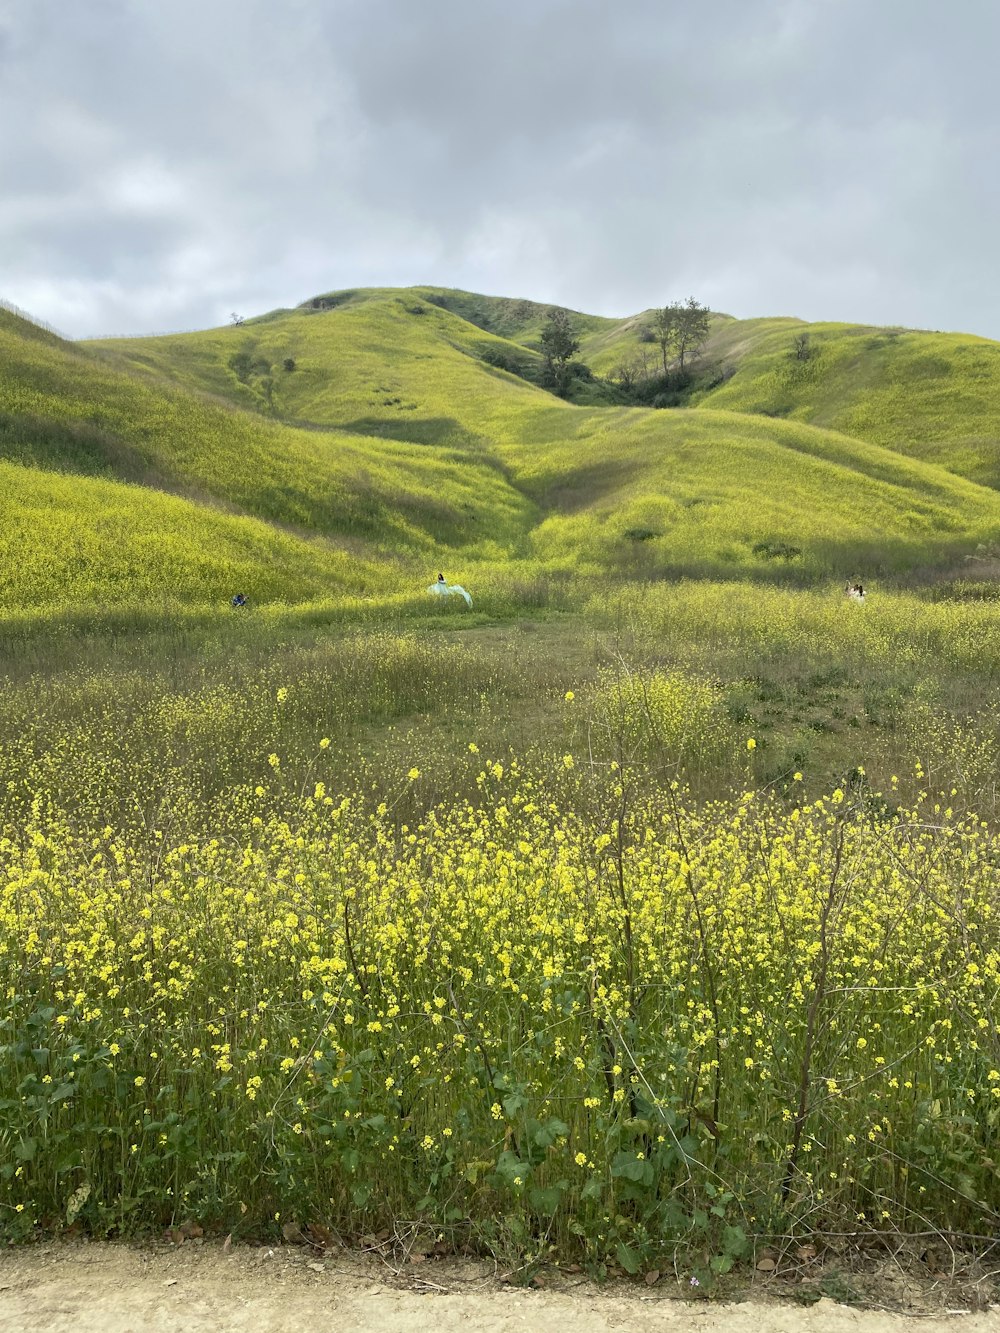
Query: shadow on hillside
x=80, y=447
x=584, y=485
x=892, y=563
x=416, y=430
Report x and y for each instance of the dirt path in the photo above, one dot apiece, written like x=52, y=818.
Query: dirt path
x=114, y=1289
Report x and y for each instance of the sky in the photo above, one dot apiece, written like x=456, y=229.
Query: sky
x=163, y=165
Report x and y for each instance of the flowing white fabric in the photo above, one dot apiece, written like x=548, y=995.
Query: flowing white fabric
x=447, y=589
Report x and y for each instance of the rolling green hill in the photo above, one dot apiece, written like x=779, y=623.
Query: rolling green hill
x=403, y=430
x=72, y=539
x=934, y=396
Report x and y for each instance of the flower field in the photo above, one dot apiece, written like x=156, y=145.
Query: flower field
x=647, y=908
x=558, y=1016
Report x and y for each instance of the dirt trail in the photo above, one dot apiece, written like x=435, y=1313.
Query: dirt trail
x=115, y=1289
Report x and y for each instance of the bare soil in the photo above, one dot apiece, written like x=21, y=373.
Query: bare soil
x=204, y=1288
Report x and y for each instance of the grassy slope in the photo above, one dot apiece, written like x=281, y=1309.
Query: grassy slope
x=934, y=396
x=511, y=318
x=622, y=343
x=710, y=485
x=69, y=408
x=390, y=434
x=699, y=490
x=71, y=540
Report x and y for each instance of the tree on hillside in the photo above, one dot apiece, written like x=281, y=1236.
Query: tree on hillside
x=801, y=349
x=692, y=328
x=558, y=345
x=681, y=328
x=664, y=329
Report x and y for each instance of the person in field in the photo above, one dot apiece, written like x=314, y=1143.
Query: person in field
x=239, y=600
x=442, y=588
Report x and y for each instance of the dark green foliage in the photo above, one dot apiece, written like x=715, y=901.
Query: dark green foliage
x=681, y=329
x=777, y=550
x=558, y=344
x=246, y=366
x=802, y=349
x=328, y=302
x=505, y=359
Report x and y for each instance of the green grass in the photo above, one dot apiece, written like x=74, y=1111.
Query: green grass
x=372, y=426
x=641, y=912
x=71, y=540
x=518, y=320
x=627, y=342
x=665, y=492
x=933, y=396
x=705, y=488
x=70, y=409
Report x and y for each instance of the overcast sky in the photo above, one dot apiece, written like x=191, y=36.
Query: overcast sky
x=166, y=162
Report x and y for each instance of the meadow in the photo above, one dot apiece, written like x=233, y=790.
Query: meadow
x=638, y=915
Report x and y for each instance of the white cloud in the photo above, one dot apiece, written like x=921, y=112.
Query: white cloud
x=828, y=158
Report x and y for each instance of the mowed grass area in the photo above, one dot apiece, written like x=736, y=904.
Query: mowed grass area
x=641, y=912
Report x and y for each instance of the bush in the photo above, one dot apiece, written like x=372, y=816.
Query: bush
x=777, y=550
x=669, y=714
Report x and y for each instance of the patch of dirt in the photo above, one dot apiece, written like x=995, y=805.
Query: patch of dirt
x=205, y=1288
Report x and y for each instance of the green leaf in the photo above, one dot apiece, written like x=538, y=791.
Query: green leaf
x=627, y=1257
x=546, y=1133
x=627, y=1166
x=545, y=1200
x=734, y=1241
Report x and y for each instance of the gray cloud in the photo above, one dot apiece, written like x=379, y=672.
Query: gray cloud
x=162, y=165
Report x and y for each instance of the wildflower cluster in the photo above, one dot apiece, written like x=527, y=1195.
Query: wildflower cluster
x=508, y=1009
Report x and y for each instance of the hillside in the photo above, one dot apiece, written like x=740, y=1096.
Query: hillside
x=718, y=485
x=66, y=408
x=72, y=539
x=934, y=396
x=438, y=912
x=407, y=430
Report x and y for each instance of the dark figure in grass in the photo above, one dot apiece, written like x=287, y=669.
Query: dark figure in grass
x=239, y=600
